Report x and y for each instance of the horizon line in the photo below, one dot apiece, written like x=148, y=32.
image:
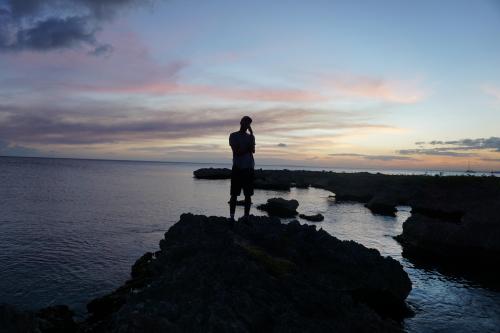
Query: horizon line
x=228, y=163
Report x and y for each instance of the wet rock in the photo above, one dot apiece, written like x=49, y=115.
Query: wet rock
x=313, y=218
x=280, y=207
x=260, y=276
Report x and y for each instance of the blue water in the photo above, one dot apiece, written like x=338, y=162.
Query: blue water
x=71, y=229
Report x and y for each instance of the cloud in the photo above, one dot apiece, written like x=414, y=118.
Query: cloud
x=492, y=91
x=104, y=49
x=434, y=152
x=347, y=155
x=387, y=90
x=228, y=93
x=177, y=148
x=55, y=33
x=375, y=157
x=7, y=149
x=102, y=123
x=44, y=25
x=282, y=145
x=491, y=143
x=454, y=148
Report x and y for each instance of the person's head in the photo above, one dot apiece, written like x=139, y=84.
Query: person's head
x=245, y=122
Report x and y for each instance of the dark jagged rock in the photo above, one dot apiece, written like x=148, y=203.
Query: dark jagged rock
x=259, y=276
x=14, y=320
x=300, y=185
x=382, y=205
x=313, y=218
x=104, y=306
x=53, y=319
x=56, y=319
x=463, y=210
x=448, y=241
x=280, y=207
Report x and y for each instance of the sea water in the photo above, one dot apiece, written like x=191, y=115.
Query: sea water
x=70, y=231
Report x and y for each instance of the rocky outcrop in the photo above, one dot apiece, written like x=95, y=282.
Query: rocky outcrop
x=469, y=242
x=452, y=215
x=313, y=218
x=53, y=319
x=212, y=275
x=212, y=173
x=280, y=207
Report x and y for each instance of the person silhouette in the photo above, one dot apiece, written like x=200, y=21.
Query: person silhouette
x=242, y=173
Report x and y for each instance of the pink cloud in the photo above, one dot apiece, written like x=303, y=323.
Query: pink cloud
x=172, y=87
x=492, y=91
x=394, y=91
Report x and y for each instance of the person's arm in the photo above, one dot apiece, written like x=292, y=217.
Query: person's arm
x=252, y=148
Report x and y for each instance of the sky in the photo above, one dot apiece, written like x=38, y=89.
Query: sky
x=350, y=84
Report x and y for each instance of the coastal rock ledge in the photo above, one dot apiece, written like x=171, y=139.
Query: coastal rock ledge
x=214, y=275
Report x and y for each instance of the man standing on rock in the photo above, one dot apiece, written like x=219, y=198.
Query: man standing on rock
x=243, y=146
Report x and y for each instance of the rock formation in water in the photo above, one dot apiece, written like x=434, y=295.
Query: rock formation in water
x=313, y=218
x=454, y=217
x=280, y=207
x=260, y=275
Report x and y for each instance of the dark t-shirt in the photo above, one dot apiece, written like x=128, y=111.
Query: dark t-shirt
x=242, y=140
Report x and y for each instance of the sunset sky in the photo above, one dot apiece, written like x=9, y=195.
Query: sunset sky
x=375, y=84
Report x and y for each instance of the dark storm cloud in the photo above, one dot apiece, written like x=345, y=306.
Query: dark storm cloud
x=375, y=157
x=102, y=50
x=55, y=33
x=43, y=25
x=100, y=9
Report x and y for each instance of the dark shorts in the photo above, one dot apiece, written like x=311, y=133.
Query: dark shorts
x=241, y=179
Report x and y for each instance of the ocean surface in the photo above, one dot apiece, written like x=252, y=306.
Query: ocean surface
x=71, y=229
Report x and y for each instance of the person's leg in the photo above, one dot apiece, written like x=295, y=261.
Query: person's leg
x=248, y=203
x=232, y=206
x=248, y=190
x=234, y=191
